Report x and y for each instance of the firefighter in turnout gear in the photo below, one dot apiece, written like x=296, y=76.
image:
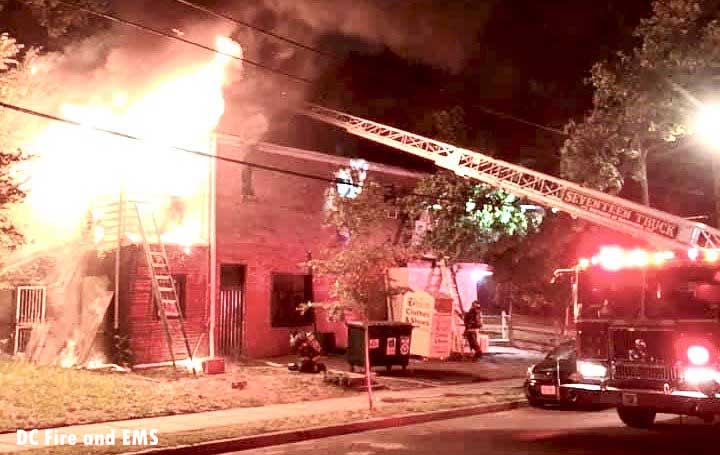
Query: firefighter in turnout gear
x=471, y=319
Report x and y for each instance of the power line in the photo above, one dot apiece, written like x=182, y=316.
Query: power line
x=258, y=65
x=264, y=167
x=330, y=56
x=157, y=32
x=123, y=135
x=520, y=120
x=253, y=27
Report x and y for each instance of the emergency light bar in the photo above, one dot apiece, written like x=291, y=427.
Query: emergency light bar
x=614, y=258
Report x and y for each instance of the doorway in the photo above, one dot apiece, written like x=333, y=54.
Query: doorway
x=231, y=310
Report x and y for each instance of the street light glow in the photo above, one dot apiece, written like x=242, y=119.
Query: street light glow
x=707, y=124
x=479, y=275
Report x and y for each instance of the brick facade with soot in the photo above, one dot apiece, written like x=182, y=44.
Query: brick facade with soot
x=267, y=224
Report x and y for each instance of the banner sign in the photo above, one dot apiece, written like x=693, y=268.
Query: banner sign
x=418, y=309
x=431, y=333
x=621, y=214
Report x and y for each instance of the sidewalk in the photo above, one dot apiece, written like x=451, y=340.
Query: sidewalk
x=242, y=416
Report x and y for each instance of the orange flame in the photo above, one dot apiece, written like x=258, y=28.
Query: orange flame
x=74, y=166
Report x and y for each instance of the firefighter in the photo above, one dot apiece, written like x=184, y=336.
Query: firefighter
x=471, y=319
x=308, y=348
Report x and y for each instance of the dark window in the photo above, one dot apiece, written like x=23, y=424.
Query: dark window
x=180, y=288
x=289, y=291
x=232, y=276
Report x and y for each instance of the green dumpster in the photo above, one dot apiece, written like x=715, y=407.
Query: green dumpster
x=389, y=344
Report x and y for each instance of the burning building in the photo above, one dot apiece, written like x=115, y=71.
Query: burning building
x=164, y=251
x=104, y=211
x=265, y=225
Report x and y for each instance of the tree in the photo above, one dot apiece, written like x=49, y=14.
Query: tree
x=357, y=265
x=642, y=100
x=467, y=220
x=58, y=20
x=16, y=81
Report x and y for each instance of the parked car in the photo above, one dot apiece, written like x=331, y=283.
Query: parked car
x=544, y=378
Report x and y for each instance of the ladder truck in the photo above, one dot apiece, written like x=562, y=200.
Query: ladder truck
x=647, y=322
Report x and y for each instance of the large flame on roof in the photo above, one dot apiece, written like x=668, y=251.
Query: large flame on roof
x=73, y=167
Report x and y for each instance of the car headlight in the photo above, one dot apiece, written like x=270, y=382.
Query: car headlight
x=591, y=370
x=698, y=355
x=701, y=375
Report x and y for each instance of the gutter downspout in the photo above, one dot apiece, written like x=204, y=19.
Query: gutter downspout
x=212, y=298
x=120, y=234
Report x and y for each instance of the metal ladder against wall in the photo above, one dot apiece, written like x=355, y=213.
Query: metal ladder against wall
x=163, y=285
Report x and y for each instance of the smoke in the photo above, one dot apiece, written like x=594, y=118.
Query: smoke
x=435, y=32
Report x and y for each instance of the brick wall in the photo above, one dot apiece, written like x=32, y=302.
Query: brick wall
x=139, y=320
x=273, y=230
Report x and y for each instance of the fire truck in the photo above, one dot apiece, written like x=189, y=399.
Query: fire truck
x=647, y=321
x=648, y=332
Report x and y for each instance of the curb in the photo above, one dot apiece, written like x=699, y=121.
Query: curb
x=304, y=434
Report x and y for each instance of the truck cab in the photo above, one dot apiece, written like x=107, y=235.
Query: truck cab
x=648, y=333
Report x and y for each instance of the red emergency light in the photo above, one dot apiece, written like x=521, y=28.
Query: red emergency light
x=707, y=255
x=614, y=258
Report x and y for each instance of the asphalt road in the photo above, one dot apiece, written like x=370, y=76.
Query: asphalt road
x=523, y=431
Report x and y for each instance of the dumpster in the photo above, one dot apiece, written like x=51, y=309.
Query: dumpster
x=388, y=342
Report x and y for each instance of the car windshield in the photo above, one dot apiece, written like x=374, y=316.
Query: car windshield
x=689, y=292
x=561, y=352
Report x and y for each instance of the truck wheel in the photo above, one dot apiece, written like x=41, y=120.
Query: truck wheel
x=636, y=417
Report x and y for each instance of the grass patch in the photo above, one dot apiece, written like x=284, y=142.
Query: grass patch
x=35, y=396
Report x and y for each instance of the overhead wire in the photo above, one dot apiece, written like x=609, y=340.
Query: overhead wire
x=253, y=27
x=201, y=46
x=227, y=159
x=520, y=120
x=124, y=135
x=167, y=35
x=258, y=64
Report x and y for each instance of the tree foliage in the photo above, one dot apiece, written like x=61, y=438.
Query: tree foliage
x=466, y=220
x=644, y=99
x=16, y=82
x=358, y=262
x=59, y=19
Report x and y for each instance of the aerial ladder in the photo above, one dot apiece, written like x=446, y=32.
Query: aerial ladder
x=661, y=229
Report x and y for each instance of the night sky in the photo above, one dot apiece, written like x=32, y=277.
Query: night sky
x=529, y=60
x=396, y=61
